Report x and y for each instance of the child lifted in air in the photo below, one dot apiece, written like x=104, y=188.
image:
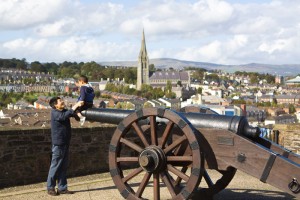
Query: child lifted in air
x=86, y=96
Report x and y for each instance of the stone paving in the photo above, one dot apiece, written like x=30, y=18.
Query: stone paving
x=100, y=186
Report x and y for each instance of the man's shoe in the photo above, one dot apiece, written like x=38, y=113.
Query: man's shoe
x=52, y=192
x=65, y=192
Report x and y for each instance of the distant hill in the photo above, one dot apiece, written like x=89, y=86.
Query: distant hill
x=165, y=63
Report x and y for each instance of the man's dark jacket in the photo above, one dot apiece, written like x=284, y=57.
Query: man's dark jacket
x=61, y=126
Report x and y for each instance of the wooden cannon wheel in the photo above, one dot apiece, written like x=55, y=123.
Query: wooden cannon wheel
x=213, y=186
x=153, y=156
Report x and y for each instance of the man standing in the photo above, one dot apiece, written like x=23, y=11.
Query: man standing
x=61, y=136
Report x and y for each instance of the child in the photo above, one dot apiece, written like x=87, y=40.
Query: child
x=86, y=96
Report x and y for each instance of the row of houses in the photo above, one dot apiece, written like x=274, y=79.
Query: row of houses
x=17, y=76
x=32, y=88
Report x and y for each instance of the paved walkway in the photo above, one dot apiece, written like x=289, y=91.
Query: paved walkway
x=100, y=186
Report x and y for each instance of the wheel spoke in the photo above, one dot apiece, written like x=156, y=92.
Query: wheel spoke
x=139, y=131
x=131, y=145
x=143, y=184
x=127, y=159
x=166, y=133
x=153, y=130
x=179, y=158
x=168, y=183
x=177, y=172
x=181, y=149
x=178, y=180
x=174, y=144
x=156, y=188
x=208, y=179
x=132, y=174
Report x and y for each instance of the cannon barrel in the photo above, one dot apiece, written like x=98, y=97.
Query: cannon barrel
x=235, y=124
x=111, y=116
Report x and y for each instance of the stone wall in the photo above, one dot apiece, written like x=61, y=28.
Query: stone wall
x=25, y=154
x=289, y=136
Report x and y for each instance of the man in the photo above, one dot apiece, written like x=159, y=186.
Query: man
x=61, y=136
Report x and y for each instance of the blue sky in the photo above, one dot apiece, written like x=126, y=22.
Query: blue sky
x=217, y=31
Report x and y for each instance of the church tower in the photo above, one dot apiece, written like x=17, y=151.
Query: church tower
x=143, y=66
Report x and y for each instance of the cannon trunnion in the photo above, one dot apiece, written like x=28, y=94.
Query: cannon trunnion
x=177, y=148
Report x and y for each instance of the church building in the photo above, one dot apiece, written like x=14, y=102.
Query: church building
x=160, y=78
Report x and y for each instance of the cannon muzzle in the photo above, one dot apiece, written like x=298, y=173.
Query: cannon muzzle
x=235, y=124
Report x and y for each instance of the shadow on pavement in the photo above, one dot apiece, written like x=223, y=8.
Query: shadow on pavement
x=226, y=194
x=242, y=194
x=97, y=189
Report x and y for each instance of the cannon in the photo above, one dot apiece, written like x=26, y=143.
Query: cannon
x=176, y=149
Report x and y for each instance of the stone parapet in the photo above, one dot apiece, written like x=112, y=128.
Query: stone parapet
x=289, y=136
x=25, y=154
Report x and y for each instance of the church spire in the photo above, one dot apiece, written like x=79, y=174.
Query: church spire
x=143, y=65
x=143, y=51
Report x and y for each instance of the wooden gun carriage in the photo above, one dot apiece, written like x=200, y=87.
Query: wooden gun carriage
x=177, y=148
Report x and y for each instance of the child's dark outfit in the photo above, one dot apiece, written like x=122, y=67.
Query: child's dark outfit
x=87, y=95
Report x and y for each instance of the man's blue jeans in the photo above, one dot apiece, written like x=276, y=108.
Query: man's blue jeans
x=58, y=167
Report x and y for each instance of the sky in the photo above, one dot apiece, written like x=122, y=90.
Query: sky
x=216, y=31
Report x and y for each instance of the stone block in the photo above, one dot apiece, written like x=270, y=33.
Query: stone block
x=86, y=139
x=38, y=138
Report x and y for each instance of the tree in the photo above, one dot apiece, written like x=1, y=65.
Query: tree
x=66, y=72
x=152, y=68
x=148, y=105
x=274, y=102
x=111, y=87
x=170, y=95
x=21, y=64
x=198, y=74
x=254, y=79
x=157, y=93
x=91, y=70
x=212, y=77
x=179, y=83
x=292, y=109
x=119, y=105
x=199, y=90
x=168, y=86
x=129, y=106
x=37, y=67
x=130, y=75
x=97, y=94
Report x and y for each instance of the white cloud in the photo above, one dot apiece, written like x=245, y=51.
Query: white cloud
x=23, y=44
x=18, y=14
x=203, y=30
x=277, y=45
x=209, y=53
x=58, y=28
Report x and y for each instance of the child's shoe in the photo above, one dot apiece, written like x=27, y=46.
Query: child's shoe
x=82, y=120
